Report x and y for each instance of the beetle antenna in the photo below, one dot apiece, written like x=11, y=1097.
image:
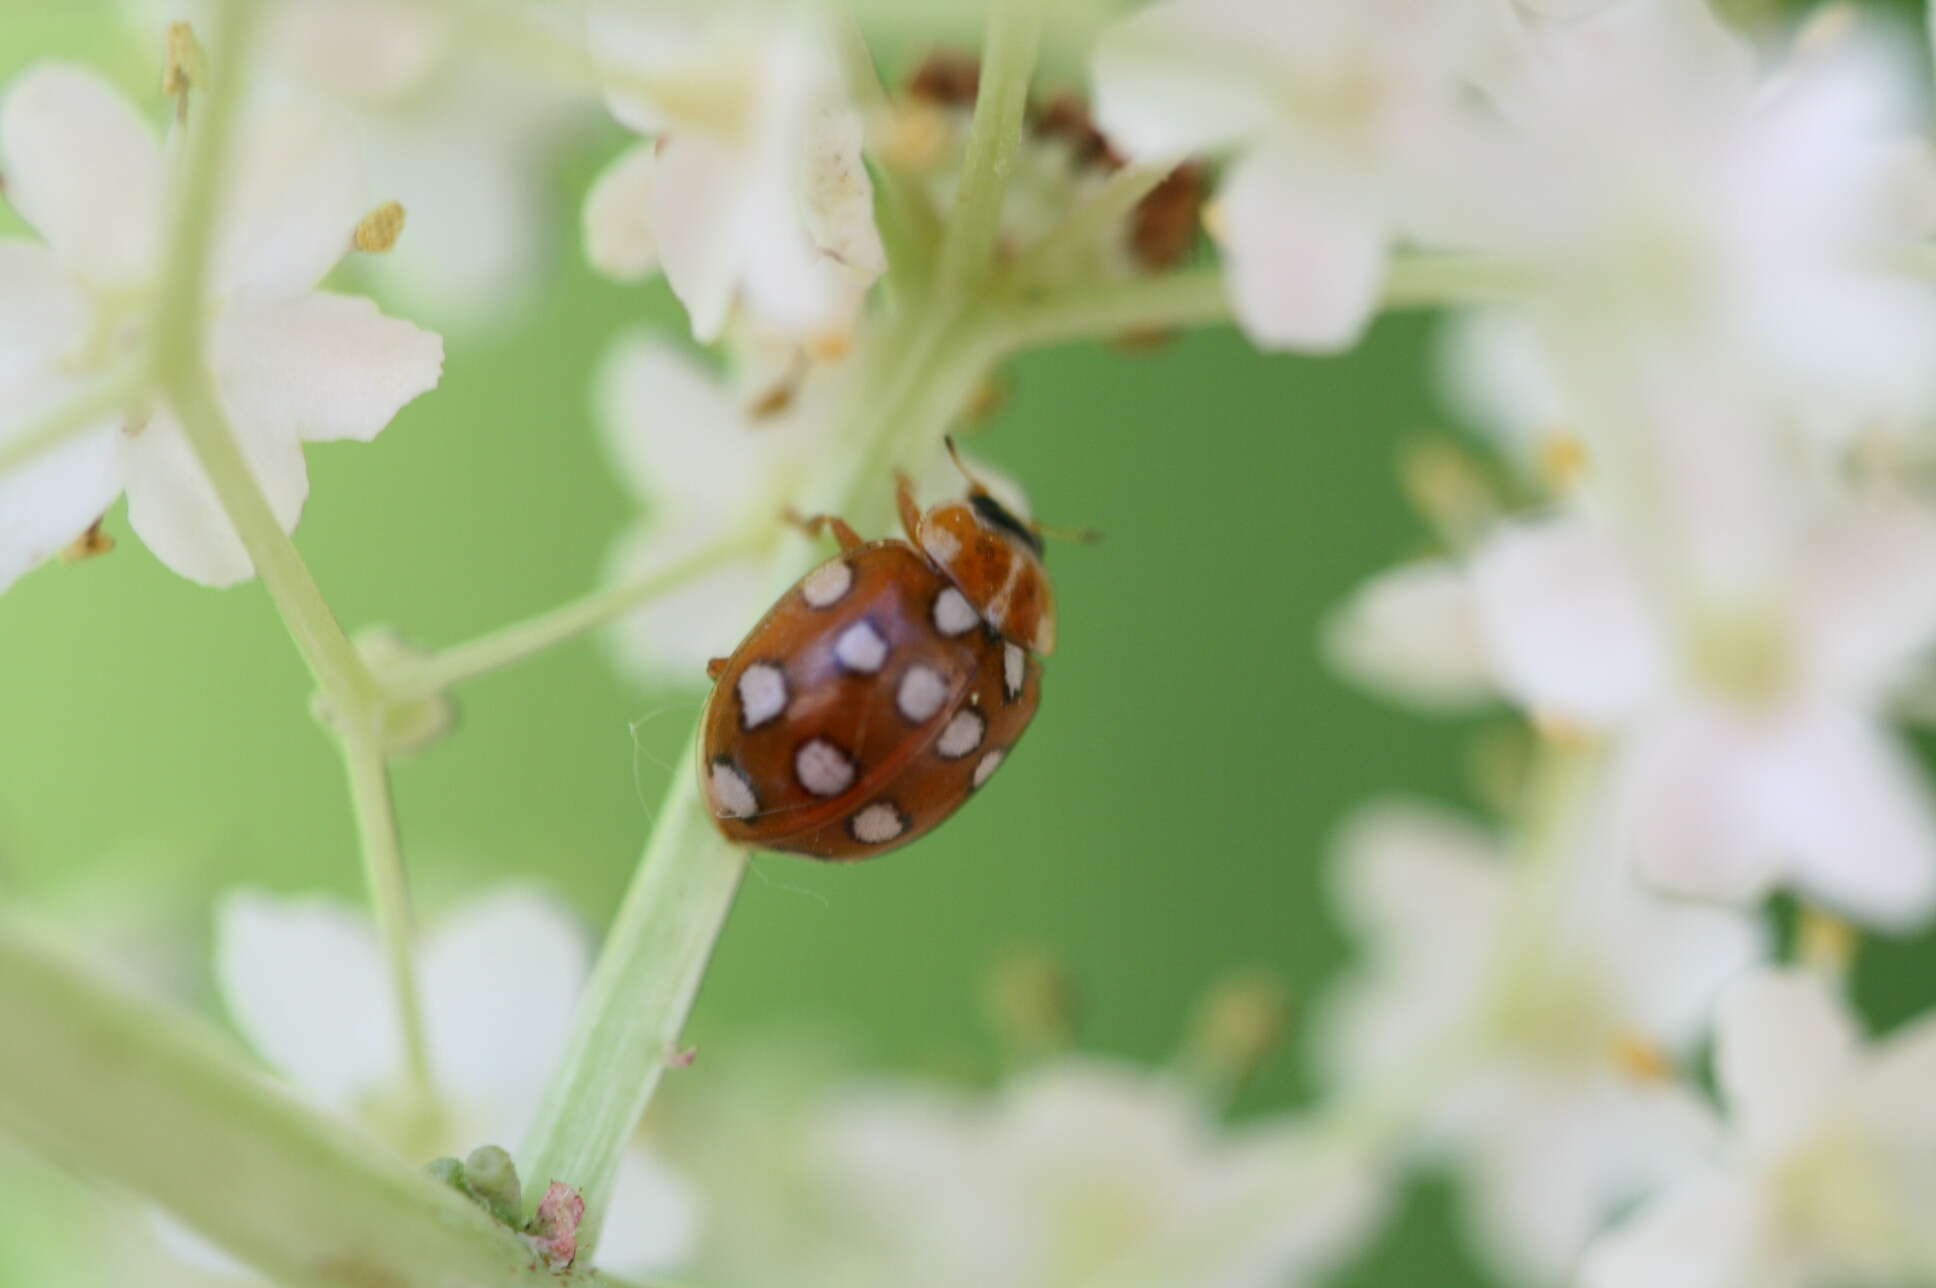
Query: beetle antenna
x=954, y=454
x=1080, y=536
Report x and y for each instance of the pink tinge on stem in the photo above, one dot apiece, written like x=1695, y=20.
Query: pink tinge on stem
x=554, y=1229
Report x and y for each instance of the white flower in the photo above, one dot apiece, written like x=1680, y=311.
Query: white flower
x=1750, y=750
x=464, y=143
x=751, y=193
x=1073, y=1170
x=1552, y=1009
x=1326, y=104
x=1412, y=633
x=1696, y=230
x=1828, y=1174
x=290, y=363
x=305, y=981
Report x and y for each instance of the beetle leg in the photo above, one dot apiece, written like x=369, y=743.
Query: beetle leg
x=814, y=524
x=910, y=511
x=716, y=667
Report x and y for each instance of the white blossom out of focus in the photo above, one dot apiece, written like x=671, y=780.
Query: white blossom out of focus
x=1827, y=1174
x=1749, y=747
x=290, y=363
x=1556, y=1023
x=1326, y=107
x=1699, y=224
x=304, y=979
x=465, y=143
x=1067, y=1173
x=749, y=193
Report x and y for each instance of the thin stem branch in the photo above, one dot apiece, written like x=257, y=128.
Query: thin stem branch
x=1196, y=297
x=1009, y=49
x=1191, y=298
x=374, y=805
x=520, y=640
x=109, y=395
x=356, y=703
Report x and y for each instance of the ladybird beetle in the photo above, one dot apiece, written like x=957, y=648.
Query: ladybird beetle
x=883, y=688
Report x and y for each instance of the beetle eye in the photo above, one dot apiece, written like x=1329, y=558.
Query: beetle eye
x=996, y=515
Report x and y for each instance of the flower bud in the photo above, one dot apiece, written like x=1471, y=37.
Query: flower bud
x=1030, y=1000
x=492, y=1179
x=1239, y=1024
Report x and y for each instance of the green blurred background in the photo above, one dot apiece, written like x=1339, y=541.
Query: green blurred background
x=1164, y=822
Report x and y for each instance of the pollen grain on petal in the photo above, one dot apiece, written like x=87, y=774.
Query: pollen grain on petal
x=378, y=231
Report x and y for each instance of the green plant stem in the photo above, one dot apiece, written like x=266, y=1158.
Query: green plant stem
x=649, y=970
x=1195, y=297
x=110, y=1085
x=636, y=1002
x=355, y=701
x=110, y=394
x=1009, y=48
x=520, y=640
x=374, y=805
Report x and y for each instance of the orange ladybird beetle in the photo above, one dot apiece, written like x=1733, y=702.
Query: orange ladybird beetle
x=883, y=688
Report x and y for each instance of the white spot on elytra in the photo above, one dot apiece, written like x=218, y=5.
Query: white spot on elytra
x=962, y=735
x=826, y=584
x=878, y=823
x=953, y=614
x=732, y=795
x=823, y=768
x=1014, y=670
x=986, y=769
x=762, y=694
x=921, y=693
x=861, y=648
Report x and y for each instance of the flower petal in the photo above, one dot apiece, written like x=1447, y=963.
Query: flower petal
x=667, y=642
x=1564, y=1156
x=651, y=1224
x=1784, y=1055
x=1164, y=78
x=331, y=364
x=839, y=196
x=1700, y=1234
x=1412, y=633
x=84, y=169
x=173, y=507
x=298, y=194
x=43, y=314
x=1425, y=891
x=671, y=427
x=1867, y=596
x=619, y=241
x=1566, y=624
x=1893, y=1091
x=373, y=52
x=500, y=977
x=52, y=499
x=1501, y=381
x=1304, y=255
x=305, y=982
x=1855, y=814
x=1685, y=798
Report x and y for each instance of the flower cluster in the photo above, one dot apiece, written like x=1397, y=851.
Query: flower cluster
x=1687, y=548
